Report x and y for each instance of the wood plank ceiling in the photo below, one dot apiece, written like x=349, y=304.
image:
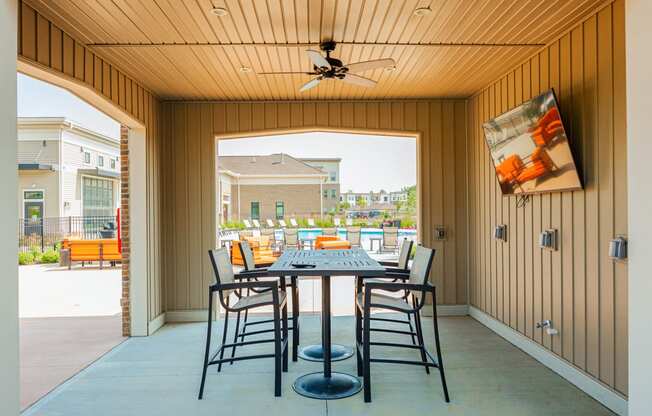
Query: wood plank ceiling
x=180, y=50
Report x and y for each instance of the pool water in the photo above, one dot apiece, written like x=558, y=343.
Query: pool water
x=365, y=234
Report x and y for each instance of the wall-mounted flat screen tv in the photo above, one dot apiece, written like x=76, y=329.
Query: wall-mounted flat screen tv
x=530, y=149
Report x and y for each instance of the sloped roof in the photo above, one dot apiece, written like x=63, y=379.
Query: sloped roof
x=274, y=164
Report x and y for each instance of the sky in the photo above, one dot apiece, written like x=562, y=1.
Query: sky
x=368, y=162
x=40, y=99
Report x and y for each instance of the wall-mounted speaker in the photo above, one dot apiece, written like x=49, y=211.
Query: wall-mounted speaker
x=618, y=248
x=548, y=239
x=500, y=232
x=440, y=232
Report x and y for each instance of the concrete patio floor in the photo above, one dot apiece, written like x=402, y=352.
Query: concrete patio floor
x=68, y=319
x=160, y=375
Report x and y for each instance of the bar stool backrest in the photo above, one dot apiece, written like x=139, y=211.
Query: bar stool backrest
x=404, y=254
x=247, y=255
x=421, y=270
x=222, y=270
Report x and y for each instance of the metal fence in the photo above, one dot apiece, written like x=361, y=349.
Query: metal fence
x=45, y=233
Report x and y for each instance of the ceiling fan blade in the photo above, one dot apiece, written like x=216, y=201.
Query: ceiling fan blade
x=286, y=73
x=369, y=65
x=358, y=80
x=318, y=59
x=310, y=84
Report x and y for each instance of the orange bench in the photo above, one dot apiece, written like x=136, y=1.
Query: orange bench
x=331, y=242
x=263, y=253
x=105, y=249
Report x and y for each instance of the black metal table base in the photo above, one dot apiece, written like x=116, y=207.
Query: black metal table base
x=318, y=386
x=316, y=353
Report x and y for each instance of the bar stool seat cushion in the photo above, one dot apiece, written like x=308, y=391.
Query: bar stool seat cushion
x=385, y=301
x=258, y=299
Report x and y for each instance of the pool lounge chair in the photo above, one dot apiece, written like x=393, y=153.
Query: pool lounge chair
x=311, y=222
x=256, y=223
x=291, y=238
x=282, y=223
x=293, y=223
x=349, y=222
x=337, y=222
x=353, y=236
x=270, y=223
x=247, y=223
x=329, y=231
x=390, y=239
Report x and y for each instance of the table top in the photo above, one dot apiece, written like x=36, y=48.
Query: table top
x=355, y=262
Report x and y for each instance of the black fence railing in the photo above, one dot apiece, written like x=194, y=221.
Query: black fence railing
x=45, y=233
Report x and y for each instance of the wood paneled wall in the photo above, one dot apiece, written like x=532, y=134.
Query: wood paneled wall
x=43, y=45
x=189, y=211
x=578, y=287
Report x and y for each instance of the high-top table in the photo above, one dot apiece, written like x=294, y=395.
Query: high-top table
x=326, y=384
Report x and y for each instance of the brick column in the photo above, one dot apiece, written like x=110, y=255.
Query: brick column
x=124, y=224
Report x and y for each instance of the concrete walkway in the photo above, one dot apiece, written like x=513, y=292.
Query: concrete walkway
x=159, y=375
x=68, y=320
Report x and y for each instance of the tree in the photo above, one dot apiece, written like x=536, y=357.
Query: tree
x=361, y=202
x=412, y=198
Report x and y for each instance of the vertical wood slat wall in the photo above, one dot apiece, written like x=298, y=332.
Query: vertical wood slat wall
x=578, y=287
x=41, y=43
x=189, y=208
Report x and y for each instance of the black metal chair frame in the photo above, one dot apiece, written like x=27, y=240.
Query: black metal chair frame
x=363, y=329
x=255, y=273
x=395, y=271
x=280, y=330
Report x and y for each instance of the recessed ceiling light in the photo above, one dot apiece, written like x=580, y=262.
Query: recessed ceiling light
x=390, y=68
x=245, y=69
x=422, y=11
x=219, y=11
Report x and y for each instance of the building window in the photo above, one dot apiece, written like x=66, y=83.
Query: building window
x=325, y=193
x=333, y=193
x=112, y=163
x=255, y=210
x=98, y=198
x=333, y=177
x=280, y=210
x=87, y=158
x=100, y=161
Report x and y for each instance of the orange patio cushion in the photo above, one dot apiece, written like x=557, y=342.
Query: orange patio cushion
x=334, y=245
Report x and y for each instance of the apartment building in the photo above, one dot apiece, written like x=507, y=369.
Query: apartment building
x=66, y=169
x=272, y=186
x=331, y=188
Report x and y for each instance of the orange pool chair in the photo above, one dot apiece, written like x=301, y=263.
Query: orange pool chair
x=331, y=242
x=263, y=254
x=541, y=165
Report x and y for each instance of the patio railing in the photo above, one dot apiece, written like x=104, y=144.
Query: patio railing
x=44, y=233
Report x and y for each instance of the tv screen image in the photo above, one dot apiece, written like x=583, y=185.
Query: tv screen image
x=530, y=149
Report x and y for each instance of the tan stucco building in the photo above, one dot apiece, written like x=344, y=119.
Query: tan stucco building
x=65, y=169
x=276, y=186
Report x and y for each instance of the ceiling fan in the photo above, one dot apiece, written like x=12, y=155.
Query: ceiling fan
x=325, y=67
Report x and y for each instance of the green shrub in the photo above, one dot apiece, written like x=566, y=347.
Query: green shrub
x=25, y=258
x=50, y=256
x=408, y=222
x=234, y=225
x=302, y=222
x=36, y=253
x=325, y=223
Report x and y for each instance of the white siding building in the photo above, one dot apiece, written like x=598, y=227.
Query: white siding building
x=66, y=169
